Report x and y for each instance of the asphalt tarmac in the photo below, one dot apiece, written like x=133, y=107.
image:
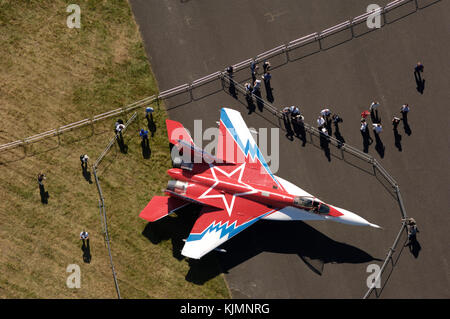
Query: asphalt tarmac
x=188, y=39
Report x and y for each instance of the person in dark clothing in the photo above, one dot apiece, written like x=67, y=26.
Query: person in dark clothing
x=266, y=66
x=336, y=119
x=418, y=69
x=254, y=69
x=84, y=161
x=249, y=98
x=257, y=92
x=266, y=77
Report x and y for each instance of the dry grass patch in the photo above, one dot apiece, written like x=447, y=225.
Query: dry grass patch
x=50, y=76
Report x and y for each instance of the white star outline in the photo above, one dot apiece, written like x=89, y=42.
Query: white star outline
x=229, y=207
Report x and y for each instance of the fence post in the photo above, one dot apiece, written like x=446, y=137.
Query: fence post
x=93, y=129
x=351, y=27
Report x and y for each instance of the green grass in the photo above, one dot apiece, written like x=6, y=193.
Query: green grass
x=51, y=76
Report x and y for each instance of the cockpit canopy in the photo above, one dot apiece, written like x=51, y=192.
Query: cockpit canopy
x=310, y=203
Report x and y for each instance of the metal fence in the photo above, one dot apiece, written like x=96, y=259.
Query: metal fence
x=288, y=51
x=284, y=49
x=101, y=202
x=344, y=148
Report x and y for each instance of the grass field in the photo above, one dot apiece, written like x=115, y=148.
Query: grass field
x=50, y=76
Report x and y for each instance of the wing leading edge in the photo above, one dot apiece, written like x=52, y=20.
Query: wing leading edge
x=214, y=227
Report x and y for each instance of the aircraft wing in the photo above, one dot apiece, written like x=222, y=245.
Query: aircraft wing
x=237, y=145
x=215, y=226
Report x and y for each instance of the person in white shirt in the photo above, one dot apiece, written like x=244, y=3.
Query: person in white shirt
x=257, y=86
x=294, y=110
x=84, y=235
x=404, y=109
x=84, y=161
x=363, y=126
x=377, y=128
x=320, y=122
x=373, y=106
x=325, y=112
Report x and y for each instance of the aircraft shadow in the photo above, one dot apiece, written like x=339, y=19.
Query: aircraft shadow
x=312, y=247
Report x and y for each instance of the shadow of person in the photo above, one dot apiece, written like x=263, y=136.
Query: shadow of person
x=44, y=194
x=250, y=104
x=414, y=246
x=86, y=251
x=405, y=124
x=146, y=151
x=299, y=130
x=269, y=93
x=379, y=146
x=398, y=139
x=419, y=82
x=374, y=116
x=325, y=145
x=367, y=140
x=122, y=146
x=259, y=101
x=86, y=174
x=232, y=89
x=328, y=127
x=311, y=246
x=338, y=135
x=151, y=124
x=288, y=127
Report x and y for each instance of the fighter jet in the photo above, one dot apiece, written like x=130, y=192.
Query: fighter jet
x=235, y=188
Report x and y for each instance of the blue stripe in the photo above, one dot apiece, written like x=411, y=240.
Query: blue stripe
x=225, y=229
x=253, y=150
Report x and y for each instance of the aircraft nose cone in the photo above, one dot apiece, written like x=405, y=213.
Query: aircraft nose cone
x=350, y=218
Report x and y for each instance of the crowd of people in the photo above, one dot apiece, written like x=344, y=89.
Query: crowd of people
x=294, y=120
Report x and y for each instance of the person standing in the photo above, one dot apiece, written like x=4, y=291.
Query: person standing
x=404, y=109
x=395, y=122
x=266, y=77
x=257, y=92
x=254, y=69
x=266, y=66
x=294, y=111
x=41, y=177
x=418, y=69
x=377, y=128
x=148, y=111
x=325, y=113
x=84, y=161
x=230, y=71
x=144, y=135
x=84, y=235
x=412, y=231
x=374, y=112
x=320, y=122
x=365, y=134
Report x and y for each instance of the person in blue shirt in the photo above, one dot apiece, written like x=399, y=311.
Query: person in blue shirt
x=143, y=134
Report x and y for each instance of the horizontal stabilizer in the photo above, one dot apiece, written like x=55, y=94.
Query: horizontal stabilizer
x=161, y=206
x=177, y=132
